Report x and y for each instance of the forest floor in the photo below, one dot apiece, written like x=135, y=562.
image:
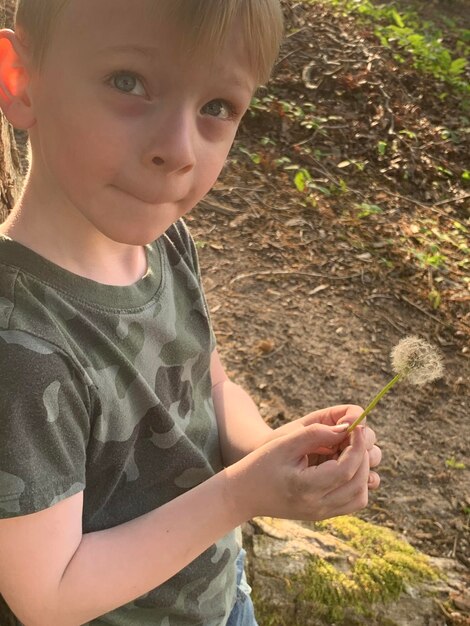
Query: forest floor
x=340, y=225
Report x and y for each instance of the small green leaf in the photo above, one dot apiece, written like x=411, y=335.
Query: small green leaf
x=301, y=179
x=435, y=298
x=457, y=66
x=382, y=147
x=343, y=186
x=398, y=19
x=409, y=133
x=368, y=209
x=454, y=464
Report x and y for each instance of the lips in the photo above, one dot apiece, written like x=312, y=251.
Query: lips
x=146, y=200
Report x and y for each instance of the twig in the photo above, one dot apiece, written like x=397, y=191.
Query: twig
x=269, y=354
x=289, y=273
x=426, y=206
x=286, y=56
x=391, y=129
x=315, y=132
x=296, y=32
x=219, y=208
x=394, y=324
x=322, y=170
x=452, y=200
x=433, y=317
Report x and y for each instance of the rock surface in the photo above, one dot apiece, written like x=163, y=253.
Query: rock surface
x=303, y=575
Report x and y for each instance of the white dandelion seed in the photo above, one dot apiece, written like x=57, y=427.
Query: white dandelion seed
x=417, y=361
x=414, y=360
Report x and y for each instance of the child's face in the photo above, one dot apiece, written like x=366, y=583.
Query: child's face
x=131, y=139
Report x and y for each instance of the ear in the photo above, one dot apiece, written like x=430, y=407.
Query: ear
x=14, y=81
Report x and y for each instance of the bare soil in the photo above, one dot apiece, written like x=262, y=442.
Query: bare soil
x=307, y=301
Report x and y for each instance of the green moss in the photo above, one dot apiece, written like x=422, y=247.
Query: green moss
x=384, y=566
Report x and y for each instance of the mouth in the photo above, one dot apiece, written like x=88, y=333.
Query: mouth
x=146, y=200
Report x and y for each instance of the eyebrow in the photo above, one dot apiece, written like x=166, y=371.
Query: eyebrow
x=148, y=51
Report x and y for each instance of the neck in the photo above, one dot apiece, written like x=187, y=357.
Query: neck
x=73, y=245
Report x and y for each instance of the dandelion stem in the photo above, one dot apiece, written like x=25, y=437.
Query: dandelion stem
x=375, y=401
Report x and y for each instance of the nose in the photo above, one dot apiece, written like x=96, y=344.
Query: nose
x=171, y=144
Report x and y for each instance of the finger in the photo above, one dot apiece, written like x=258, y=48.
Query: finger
x=351, y=413
x=375, y=456
x=352, y=456
x=333, y=415
x=355, y=490
x=336, y=473
x=352, y=506
x=370, y=437
x=373, y=481
x=309, y=440
x=347, y=499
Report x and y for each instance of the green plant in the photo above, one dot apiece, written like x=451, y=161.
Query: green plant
x=421, y=40
x=452, y=463
x=302, y=179
x=435, y=298
x=360, y=165
x=386, y=565
x=382, y=147
x=366, y=209
x=254, y=156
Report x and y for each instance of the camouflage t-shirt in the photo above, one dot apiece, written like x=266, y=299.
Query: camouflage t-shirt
x=107, y=390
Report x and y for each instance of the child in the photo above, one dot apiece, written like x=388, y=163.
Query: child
x=127, y=456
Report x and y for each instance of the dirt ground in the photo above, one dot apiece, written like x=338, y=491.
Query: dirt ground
x=304, y=308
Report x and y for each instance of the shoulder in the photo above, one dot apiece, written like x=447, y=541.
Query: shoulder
x=180, y=236
x=8, y=276
x=180, y=245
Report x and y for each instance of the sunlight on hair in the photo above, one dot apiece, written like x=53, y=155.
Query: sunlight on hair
x=204, y=26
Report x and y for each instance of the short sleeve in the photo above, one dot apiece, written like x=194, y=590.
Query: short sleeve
x=44, y=425
x=183, y=241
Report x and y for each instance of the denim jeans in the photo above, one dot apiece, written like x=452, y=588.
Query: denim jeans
x=242, y=613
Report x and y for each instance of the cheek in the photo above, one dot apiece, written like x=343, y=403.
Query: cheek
x=212, y=162
x=81, y=142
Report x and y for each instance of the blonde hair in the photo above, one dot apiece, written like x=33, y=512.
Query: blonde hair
x=203, y=23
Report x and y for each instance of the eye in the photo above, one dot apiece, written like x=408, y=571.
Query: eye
x=127, y=82
x=220, y=109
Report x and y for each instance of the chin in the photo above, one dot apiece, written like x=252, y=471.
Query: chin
x=140, y=225
x=135, y=235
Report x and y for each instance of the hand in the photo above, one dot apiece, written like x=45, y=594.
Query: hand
x=277, y=480
x=341, y=414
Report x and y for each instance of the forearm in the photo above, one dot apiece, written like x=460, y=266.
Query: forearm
x=241, y=427
x=113, y=567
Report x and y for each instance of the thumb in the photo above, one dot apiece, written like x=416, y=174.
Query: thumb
x=310, y=439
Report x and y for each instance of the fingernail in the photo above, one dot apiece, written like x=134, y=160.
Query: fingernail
x=340, y=428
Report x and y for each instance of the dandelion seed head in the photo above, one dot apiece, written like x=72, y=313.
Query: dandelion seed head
x=417, y=360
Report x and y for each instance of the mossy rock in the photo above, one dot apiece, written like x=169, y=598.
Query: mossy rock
x=343, y=572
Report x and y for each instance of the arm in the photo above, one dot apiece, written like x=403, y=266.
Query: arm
x=241, y=427
x=52, y=575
